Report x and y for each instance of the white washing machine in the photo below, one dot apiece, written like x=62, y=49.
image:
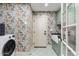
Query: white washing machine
x=7, y=45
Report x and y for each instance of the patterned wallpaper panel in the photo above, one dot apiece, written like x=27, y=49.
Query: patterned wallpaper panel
x=51, y=25
x=1, y=13
x=9, y=18
x=23, y=27
x=18, y=21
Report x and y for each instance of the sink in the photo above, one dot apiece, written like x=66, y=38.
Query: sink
x=54, y=37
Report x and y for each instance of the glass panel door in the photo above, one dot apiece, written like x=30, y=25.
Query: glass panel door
x=68, y=31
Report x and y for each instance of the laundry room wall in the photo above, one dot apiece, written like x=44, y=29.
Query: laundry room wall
x=18, y=21
x=51, y=22
x=9, y=18
x=1, y=13
x=51, y=25
x=23, y=27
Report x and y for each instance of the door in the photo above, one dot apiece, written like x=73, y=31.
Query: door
x=68, y=33
x=40, y=31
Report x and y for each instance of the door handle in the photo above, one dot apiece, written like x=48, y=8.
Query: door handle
x=69, y=33
x=44, y=32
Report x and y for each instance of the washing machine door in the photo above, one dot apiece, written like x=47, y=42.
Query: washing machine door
x=9, y=48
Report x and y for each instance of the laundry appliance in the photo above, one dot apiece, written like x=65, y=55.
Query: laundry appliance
x=7, y=45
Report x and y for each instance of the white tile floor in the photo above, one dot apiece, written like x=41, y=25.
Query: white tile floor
x=39, y=52
x=43, y=52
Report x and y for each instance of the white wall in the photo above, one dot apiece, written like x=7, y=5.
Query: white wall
x=77, y=28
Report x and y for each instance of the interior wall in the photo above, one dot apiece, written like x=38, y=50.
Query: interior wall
x=23, y=27
x=58, y=17
x=58, y=21
x=57, y=46
x=51, y=26
x=18, y=21
x=9, y=18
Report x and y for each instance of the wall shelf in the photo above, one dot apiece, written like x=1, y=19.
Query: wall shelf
x=72, y=25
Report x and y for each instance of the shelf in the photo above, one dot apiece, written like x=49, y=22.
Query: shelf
x=64, y=27
x=69, y=26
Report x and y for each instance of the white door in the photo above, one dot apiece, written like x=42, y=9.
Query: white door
x=40, y=31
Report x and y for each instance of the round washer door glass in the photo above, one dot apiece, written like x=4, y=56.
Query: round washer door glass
x=8, y=48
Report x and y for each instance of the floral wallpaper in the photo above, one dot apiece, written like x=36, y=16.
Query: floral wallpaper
x=9, y=18
x=23, y=27
x=51, y=25
x=1, y=13
x=18, y=21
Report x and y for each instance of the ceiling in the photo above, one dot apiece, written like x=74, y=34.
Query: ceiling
x=42, y=7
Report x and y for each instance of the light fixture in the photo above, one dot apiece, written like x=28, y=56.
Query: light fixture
x=25, y=22
x=46, y=4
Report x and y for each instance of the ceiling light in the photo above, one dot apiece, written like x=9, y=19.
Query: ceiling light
x=25, y=22
x=46, y=4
